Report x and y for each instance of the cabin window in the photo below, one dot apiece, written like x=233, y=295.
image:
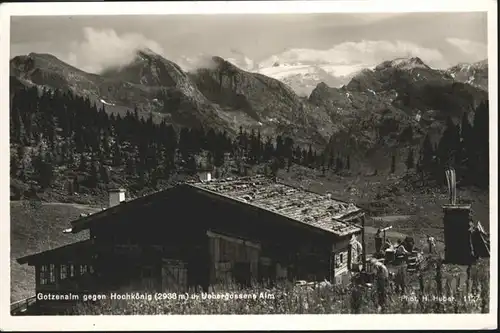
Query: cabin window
x=44, y=275
x=71, y=270
x=91, y=269
x=52, y=273
x=64, y=272
x=83, y=269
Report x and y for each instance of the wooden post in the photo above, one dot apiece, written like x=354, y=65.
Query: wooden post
x=37, y=277
x=363, y=241
x=57, y=274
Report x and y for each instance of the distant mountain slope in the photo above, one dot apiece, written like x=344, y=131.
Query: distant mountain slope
x=302, y=78
x=47, y=71
x=475, y=74
x=399, y=93
x=175, y=95
x=268, y=101
x=407, y=84
x=157, y=86
x=303, y=69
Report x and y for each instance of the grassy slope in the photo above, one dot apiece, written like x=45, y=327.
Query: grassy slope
x=35, y=228
x=384, y=195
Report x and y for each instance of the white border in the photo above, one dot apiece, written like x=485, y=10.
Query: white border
x=235, y=322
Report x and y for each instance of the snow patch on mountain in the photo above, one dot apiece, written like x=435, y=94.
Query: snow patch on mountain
x=303, y=78
x=107, y=103
x=475, y=74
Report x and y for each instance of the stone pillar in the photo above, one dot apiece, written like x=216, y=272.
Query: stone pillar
x=363, y=243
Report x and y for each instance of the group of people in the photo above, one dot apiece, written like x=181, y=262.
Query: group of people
x=401, y=248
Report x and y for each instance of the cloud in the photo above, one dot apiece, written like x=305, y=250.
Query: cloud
x=192, y=63
x=202, y=60
x=239, y=59
x=104, y=48
x=474, y=50
x=361, y=54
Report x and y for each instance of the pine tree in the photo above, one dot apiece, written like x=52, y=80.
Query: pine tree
x=410, y=160
x=331, y=160
x=14, y=166
x=275, y=167
x=280, y=151
x=130, y=167
x=449, y=144
x=310, y=157
x=93, y=177
x=44, y=171
x=426, y=162
x=117, y=158
x=323, y=164
x=191, y=166
x=104, y=173
x=393, y=163
x=465, y=155
x=218, y=157
x=339, y=165
x=269, y=150
x=83, y=163
x=481, y=144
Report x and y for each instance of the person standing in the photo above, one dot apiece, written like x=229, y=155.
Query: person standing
x=432, y=244
x=382, y=282
x=400, y=281
x=378, y=241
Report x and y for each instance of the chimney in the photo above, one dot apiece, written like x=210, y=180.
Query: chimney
x=456, y=234
x=457, y=218
x=205, y=176
x=116, y=196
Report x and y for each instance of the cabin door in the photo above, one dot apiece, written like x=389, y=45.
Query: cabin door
x=173, y=275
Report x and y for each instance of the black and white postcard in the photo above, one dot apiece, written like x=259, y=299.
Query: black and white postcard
x=249, y=165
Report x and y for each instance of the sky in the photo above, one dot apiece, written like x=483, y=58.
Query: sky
x=93, y=43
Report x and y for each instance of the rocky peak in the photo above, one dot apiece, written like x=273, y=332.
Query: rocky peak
x=403, y=64
x=150, y=69
x=146, y=52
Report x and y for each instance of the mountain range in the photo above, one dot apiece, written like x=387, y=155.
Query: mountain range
x=220, y=94
x=303, y=72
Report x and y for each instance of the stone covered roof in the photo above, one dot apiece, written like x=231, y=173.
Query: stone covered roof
x=308, y=207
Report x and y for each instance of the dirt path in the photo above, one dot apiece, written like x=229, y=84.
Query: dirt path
x=75, y=205
x=390, y=233
x=391, y=218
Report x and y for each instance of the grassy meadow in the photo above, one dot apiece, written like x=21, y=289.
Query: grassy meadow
x=421, y=295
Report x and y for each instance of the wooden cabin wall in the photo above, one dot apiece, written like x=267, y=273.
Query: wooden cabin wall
x=293, y=252
x=232, y=260
x=156, y=245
